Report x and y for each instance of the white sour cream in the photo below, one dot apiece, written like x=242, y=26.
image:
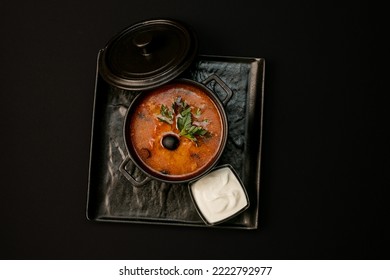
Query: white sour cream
x=219, y=195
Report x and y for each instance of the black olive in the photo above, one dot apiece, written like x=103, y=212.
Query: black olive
x=170, y=141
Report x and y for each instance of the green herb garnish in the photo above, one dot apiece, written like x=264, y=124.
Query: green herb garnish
x=166, y=115
x=186, y=127
x=198, y=113
x=183, y=116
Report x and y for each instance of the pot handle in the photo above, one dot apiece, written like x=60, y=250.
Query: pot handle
x=128, y=176
x=226, y=89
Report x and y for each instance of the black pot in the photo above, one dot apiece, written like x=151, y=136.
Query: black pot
x=152, y=174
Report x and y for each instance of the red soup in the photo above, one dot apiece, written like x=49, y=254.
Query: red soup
x=176, y=130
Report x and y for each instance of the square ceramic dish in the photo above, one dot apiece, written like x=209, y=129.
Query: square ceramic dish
x=219, y=196
x=111, y=198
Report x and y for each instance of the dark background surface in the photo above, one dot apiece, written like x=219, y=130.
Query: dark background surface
x=325, y=161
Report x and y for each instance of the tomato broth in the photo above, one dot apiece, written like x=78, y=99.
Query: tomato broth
x=157, y=114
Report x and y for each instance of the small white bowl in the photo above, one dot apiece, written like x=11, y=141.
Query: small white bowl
x=219, y=195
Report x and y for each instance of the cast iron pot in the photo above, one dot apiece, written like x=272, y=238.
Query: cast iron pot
x=152, y=174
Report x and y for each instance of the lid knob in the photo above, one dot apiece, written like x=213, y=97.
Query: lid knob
x=143, y=42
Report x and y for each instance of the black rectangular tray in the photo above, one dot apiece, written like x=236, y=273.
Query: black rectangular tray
x=111, y=198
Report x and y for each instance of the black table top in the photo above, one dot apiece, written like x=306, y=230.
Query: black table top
x=325, y=157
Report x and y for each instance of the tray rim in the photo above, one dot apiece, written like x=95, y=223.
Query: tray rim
x=258, y=75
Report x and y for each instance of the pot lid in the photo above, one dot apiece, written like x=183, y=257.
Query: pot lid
x=148, y=54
